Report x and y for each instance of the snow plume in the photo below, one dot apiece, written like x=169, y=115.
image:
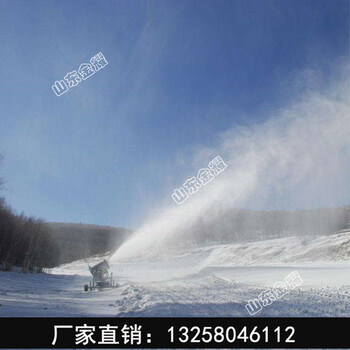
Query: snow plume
x=299, y=158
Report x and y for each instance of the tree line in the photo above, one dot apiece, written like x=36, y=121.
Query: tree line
x=25, y=242
x=33, y=245
x=243, y=225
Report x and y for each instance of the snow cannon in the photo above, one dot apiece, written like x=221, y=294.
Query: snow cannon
x=100, y=277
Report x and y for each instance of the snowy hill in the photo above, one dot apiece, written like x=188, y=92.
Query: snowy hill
x=292, y=250
x=334, y=247
x=212, y=281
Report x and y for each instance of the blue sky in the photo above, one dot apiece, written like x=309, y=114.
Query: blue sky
x=179, y=74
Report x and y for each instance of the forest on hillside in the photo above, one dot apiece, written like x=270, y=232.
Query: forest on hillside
x=25, y=242
x=79, y=241
x=33, y=245
x=242, y=225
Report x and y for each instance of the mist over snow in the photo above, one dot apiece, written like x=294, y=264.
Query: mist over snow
x=297, y=158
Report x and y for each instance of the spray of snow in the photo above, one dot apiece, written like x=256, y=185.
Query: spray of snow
x=299, y=157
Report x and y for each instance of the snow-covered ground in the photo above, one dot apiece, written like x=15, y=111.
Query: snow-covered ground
x=212, y=281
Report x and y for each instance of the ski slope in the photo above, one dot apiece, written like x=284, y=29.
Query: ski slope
x=212, y=281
